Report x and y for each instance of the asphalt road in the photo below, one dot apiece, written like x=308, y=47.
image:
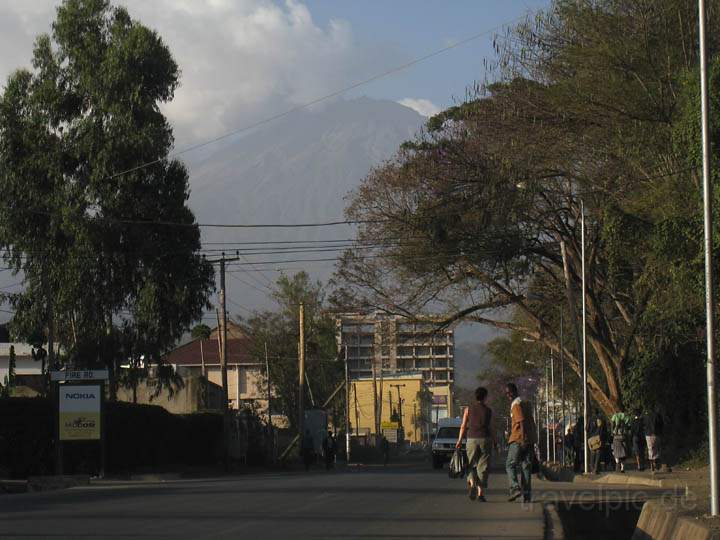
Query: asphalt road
x=411, y=501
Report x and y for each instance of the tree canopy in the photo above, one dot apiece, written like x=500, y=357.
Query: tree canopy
x=593, y=107
x=87, y=236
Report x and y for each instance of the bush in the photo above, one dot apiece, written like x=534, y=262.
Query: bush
x=137, y=436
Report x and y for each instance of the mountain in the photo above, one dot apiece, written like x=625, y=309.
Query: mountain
x=300, y=168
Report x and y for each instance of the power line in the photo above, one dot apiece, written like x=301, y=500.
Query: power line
x=315, y=101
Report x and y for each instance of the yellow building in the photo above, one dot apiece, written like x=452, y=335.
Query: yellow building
x=413, y=413
x=378, y=342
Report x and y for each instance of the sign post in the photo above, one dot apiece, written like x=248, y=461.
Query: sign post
x=79, y=404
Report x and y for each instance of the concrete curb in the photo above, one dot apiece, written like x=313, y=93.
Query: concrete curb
x=630, y=480
x=659, y=523
x=13, y=486
x=553, y=526
x=50, y=483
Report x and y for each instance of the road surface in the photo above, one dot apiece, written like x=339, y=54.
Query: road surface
x=399, y=501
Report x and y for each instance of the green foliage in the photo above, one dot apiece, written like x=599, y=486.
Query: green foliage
x=279, y=330
x=201, y=331
x=89, y=109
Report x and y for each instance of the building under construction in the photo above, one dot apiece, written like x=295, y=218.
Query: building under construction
x=384, y=347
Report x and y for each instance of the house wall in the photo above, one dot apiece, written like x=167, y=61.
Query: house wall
x=193, y=397
x=24, y=364
x=362, y=415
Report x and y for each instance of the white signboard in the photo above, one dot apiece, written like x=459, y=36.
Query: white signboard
x=79, y=412
x=86, y=375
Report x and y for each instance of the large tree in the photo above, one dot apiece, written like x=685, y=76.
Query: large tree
x=279, y=330
x=97, y=245
x=480, y=216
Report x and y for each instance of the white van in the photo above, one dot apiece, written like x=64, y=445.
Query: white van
x=443, y=445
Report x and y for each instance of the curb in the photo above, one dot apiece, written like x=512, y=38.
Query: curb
x=553, y=526
x=13, y=486
x=659, y=523
x=631, y=480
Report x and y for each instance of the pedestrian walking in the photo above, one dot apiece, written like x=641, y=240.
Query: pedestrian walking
x=308, y=449
x=477, y=424
x=620, y=423
x=329, y=449
x=653, y=424
x=520, y=446
x=637, y=431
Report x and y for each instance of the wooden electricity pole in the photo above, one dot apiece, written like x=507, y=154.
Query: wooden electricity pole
x=301, y=369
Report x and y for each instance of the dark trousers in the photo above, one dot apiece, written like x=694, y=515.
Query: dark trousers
x=519, y=464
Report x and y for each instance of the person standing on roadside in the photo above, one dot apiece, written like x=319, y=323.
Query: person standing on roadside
x=476, y=422
x=520, y=446
x=329, y=448
x=637, y=430
x=601, y=453
x=653, y=424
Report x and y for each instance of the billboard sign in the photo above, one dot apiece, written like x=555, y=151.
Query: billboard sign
x=79, y=413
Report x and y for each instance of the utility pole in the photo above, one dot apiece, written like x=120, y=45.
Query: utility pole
x=301, y=369
x=376, y=422
x=357, y=414
x=347, y=408
x=709, y=275
x=267, y=373
x=223, y=364
x=223, y=333
x=222, y=342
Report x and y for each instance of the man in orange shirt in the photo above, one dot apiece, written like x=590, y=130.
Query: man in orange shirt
x=520, y=445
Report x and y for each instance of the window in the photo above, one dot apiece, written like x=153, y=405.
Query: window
x=441, y=375
x=439, y=362
x=422, y=363
x=422, y=351
x=448, y=433
x=405, y=327
x=405, y=351
x=439, y=351
x=366, y=340
x=367, y=328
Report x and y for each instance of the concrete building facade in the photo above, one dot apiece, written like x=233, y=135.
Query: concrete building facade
x=403, y=348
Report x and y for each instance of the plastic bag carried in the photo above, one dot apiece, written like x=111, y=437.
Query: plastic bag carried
x=458, y=464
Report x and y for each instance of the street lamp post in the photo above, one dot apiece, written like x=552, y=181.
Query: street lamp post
x=547, y=411
x=562, y=386
x=709, y=277
x=584, y=343
x=552, y=399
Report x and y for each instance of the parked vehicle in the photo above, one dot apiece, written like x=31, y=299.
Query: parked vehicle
x=444, y=442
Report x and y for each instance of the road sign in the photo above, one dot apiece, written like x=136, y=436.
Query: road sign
x=84, y=375
x=389, y=425
x=79, y=409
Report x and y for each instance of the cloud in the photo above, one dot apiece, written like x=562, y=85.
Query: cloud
x=423, y=106
x=241, y=60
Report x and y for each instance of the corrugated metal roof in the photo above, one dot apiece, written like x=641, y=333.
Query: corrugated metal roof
x=239, y=351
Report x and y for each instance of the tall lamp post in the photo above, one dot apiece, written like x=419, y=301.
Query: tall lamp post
x=584, y=343
x=709, y=277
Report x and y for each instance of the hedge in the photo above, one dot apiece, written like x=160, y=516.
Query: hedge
x=137, y=437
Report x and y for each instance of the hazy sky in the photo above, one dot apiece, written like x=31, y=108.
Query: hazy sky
x=244, y=60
